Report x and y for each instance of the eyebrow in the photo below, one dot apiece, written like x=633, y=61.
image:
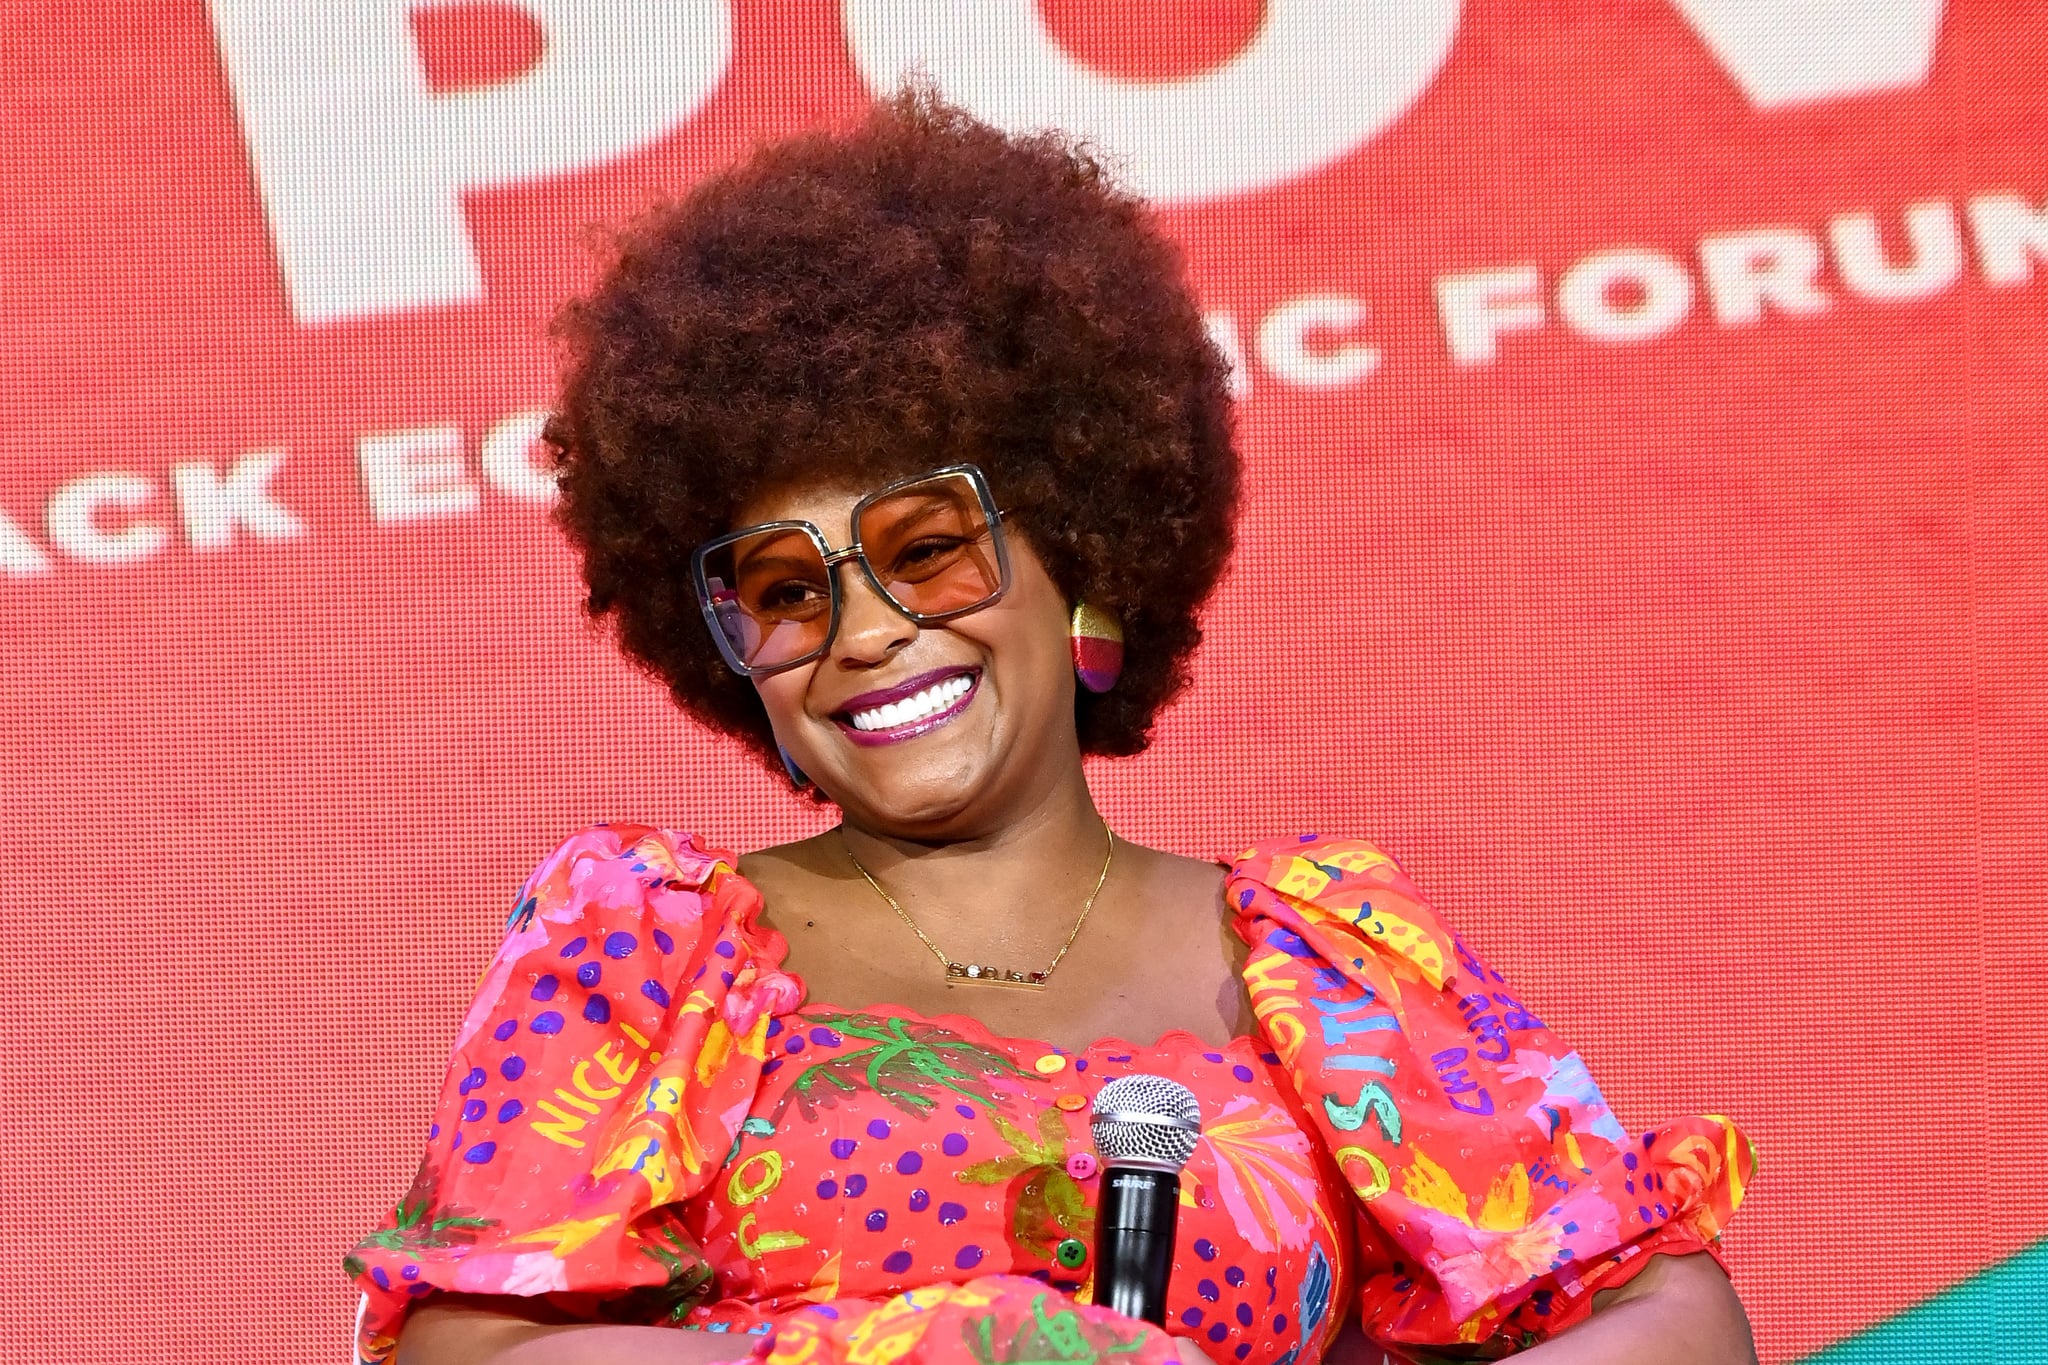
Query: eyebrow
x=756, y=563
x=934, y=505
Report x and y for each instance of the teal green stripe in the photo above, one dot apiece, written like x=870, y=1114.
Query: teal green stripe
x=1993, y=1318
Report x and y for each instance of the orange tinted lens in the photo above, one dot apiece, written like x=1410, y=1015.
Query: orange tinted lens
x=931, y=548
x=771, y=595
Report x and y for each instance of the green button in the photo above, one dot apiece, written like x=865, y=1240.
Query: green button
x=1072, y=1253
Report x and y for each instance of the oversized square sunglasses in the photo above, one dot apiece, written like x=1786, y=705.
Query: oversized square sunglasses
x=930, y=545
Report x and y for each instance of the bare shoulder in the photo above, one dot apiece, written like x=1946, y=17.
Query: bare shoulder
x=1171, y=880
x=786, y=866
x=1180, y=928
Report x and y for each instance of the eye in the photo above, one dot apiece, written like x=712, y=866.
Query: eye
x=928, y=553
x=789, y=596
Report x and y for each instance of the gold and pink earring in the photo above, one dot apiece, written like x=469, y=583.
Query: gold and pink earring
x=1098, y=640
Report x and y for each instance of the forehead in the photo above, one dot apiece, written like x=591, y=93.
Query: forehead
x=827, y=504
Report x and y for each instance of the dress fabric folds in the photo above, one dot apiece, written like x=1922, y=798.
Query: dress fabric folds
x=644, y=1120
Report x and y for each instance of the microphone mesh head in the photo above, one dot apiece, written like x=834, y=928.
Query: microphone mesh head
x=1146, y=1120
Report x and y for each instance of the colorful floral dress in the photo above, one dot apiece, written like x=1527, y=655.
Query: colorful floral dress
x=645, y=1121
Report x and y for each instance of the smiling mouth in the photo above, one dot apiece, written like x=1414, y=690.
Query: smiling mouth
x=931, y=705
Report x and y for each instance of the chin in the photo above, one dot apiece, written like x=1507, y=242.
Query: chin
x=926, y=803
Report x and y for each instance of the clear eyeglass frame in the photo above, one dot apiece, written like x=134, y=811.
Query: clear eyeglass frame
x=992, y=518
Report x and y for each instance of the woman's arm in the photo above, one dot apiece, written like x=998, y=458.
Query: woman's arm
x=1678, y=1310
x=458, y=1329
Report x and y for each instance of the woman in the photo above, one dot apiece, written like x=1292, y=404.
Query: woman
x=903, y=458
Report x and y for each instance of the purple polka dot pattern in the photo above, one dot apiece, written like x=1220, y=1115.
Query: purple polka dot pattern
x=882, y=1150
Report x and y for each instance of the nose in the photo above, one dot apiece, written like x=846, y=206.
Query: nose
x=871, y=629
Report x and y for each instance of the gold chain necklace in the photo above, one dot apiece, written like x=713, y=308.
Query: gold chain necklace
x=975, y=971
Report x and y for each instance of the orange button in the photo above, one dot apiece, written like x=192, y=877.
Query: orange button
x=1070, y=1102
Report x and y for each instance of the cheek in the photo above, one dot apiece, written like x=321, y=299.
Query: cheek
x=782, y=695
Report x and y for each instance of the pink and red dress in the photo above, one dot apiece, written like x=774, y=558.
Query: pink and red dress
x=644, y=1120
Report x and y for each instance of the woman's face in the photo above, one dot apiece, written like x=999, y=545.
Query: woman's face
x=944, y=765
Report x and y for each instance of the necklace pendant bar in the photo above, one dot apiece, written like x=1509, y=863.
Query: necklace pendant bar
x=995, y=976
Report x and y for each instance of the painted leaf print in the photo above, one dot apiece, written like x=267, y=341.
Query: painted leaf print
x=911, y=1065
x=1049, y=1205
x=1264, y=1174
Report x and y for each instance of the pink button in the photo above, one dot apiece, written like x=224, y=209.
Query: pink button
x=1081, y=1165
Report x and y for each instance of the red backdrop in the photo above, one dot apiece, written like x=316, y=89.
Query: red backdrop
x=1643, y=405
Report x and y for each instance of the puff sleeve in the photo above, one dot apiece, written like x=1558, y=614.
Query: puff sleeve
x=599, y=1077
x=1497, y=1190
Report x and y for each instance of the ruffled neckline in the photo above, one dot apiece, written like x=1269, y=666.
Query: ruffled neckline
x=771, y=949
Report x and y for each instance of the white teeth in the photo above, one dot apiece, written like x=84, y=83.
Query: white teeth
x=929, y=702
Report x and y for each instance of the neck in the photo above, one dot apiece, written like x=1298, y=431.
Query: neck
x=1011, y=893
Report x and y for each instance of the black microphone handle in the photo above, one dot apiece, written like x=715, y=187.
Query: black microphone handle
x=1134, y=1224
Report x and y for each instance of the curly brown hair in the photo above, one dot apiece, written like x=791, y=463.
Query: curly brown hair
x=919, y=290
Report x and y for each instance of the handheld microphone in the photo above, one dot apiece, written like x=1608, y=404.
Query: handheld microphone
x=1145, y=1129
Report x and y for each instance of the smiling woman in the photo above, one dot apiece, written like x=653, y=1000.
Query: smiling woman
x=903, y=456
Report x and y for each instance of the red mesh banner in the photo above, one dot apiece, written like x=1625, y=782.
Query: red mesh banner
x=1647, y=510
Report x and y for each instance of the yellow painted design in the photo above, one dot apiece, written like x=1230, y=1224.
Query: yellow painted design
x=1301, y=879
x=579, y=1074
x=1355, y=859
x=1731, y=1158
x=1479, y=1326
x=797, y=1344
x=1381, y=1181
x=717, y=1050
x=567, y=1236
x=650, y=1157
x=1431, y=1186
x=755, y=1042
x=1407, y=938
x=893, y=1330
x=1571, y=1149
x=754, y=1248
x=1507, y=1201
x=664, y=1096
x=559, y=1126
x=619, y=1069
x=824, y=1286
x=743, y=1189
